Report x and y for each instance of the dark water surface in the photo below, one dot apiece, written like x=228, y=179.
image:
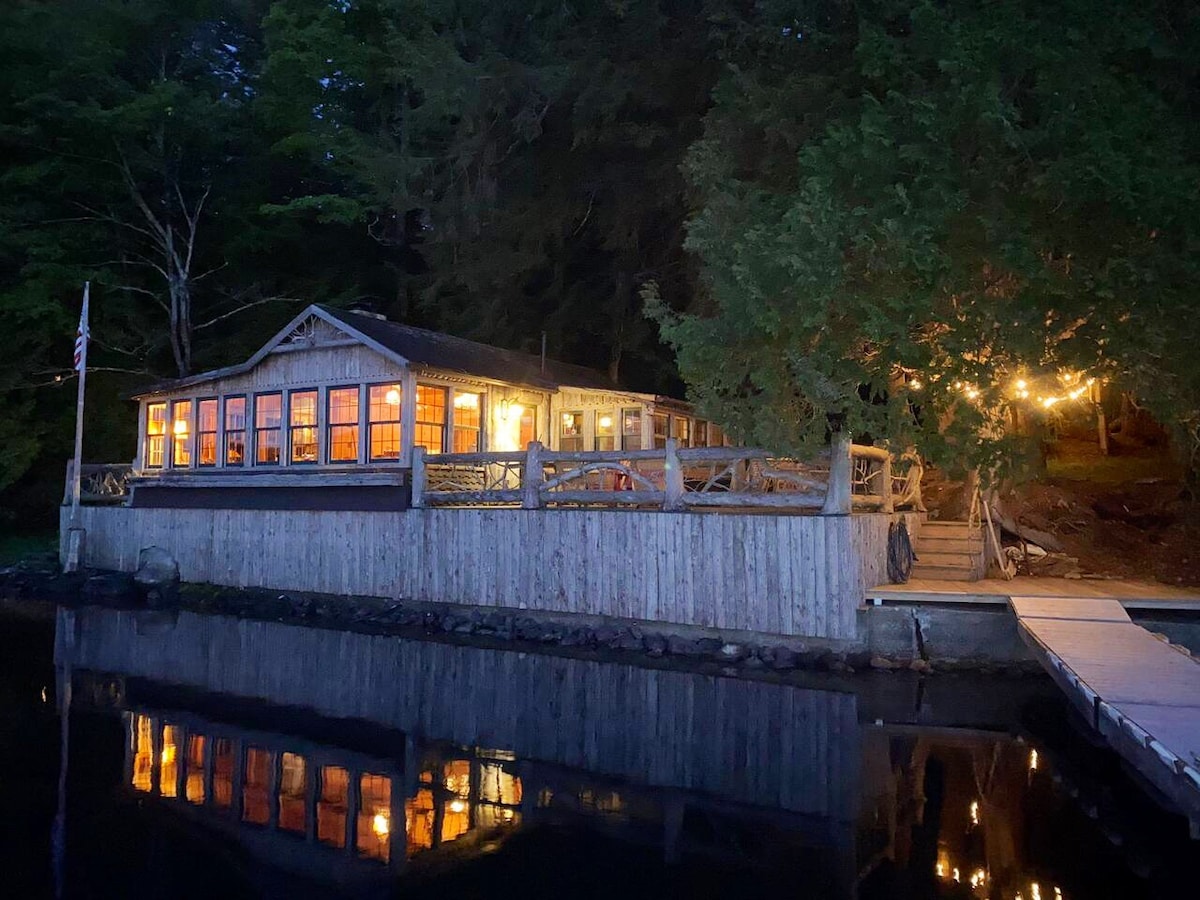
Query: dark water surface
x=215, y=758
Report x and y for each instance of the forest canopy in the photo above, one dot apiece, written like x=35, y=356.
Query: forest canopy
x=839, y=214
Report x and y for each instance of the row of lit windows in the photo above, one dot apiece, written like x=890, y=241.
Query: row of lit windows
x=610, y=432
x=258, y=428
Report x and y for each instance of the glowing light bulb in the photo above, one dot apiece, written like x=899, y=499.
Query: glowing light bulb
x=380, y=824
x=605, y=422
x=181, y=426
x=392, y=397
x=1022, y=384
x=457, y=806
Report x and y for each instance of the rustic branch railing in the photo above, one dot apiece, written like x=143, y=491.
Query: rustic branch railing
x=100, y=483
x=841, y=480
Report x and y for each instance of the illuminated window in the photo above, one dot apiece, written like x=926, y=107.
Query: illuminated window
x=302, y=426
x=570, y=432
x=156, y=434
x=268, y=424
x=383, y=421
x=143, y=752
x=256, y=786
x=606, y=431
x=181, y=433
x=333, y=805
x=661, y=424
x=631, y=429
x=292, y=776
x=528, y=427
x=374, y=817
x=206, y=432
x=431, y=419
x=683, y=431
x=497, y=785
x=224, y=762
x=343, y=425
x=193, y=777
x=419, y=818
x=235, y=431
x=468, y=422
x=456, y=811
x=700, y=434
x=168, y=770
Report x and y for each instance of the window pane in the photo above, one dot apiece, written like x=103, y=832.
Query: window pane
x=256, y=786
x=468, y=417
x=168, y=772
x=683, y=431
x=268, y=420
x=606, y=431
x=143, y=752
x=302, y=418
x=528, y=428
x=194, y=771
x=716, y=437
x=571, y=431
x=374, y=817
x=431, y=418
x=292, y=776
x=333, y=805
x=631, y=429
x=156, y=430
x=660, y=423
x=384, y=413
x=206, y=432
x=235, y=431
x=181, y=433
x=343, y=425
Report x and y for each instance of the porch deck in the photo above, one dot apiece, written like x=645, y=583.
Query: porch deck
x=1131, y=594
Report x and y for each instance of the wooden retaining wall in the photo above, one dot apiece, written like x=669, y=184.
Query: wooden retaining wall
x=789, y=575
x=770, y=745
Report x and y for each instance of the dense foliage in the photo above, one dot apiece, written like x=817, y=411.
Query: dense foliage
x=871, y=193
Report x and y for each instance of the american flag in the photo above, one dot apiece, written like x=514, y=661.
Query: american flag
x=81, y=335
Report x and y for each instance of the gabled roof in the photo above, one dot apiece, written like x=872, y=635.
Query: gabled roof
x=405, y=345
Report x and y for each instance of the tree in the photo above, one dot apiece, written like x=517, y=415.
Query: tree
x=944, y=196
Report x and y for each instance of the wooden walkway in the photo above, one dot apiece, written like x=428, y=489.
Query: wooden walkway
x=1141, y=693
x=1130, y=594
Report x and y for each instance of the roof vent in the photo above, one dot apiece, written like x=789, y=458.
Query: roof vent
x=367, y=308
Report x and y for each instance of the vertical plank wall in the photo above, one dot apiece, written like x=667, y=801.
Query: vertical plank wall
x=792, y=575
x=772, y=745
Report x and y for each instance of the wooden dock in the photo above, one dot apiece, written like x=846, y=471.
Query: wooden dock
x=1140, y=693
x=1128, y=593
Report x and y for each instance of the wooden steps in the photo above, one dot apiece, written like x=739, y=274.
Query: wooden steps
x=949, y=551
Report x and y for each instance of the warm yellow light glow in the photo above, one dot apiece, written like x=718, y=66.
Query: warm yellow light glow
x=1048, y=402
x=181, y=426
x=380, y=824
x=466, y=401
x=940, y=869
x=1033, y=760
x=392, y=397
x=1058, y=893
x=956, y=876
x=974, y=812
x=978, y=878
x=457, y=806
x=1022, y=384
x=568, y=419
x=605, y=422
x=168, y=754
x=915, y=385
x=1035, y=892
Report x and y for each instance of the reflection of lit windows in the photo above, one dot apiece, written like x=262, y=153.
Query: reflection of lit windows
x=456, y=812
x=194, y=769
x=256, y=786
x=498, y=786
x=168, y=772
x=291, y=793
x=143, y=752
x=418, y=817
x=223, y=765
x=373, y=838
x=333, y=805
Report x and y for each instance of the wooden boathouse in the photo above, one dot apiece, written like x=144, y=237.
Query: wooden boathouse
x=353, y=455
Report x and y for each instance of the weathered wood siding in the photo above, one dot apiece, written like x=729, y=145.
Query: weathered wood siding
x=766, y=744
x=792, y=575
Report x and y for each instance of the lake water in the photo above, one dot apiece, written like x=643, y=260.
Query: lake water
x=209, y=757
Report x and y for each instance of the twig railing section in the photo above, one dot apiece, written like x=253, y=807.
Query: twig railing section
x=100, y=483
x=839, y=481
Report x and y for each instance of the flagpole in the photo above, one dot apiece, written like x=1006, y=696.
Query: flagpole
x=76, y=469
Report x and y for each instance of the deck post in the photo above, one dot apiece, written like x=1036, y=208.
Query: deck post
x=837, y=494
x=418, y=477
x=531, y=476
x=673, y=475
x=885, y=472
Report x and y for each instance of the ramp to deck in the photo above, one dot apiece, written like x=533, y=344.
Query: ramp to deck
x=1141, y=693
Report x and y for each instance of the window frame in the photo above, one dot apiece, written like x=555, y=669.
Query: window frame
x=580, y=436
x=330, y=425
x=148, y=435
x=398, y=422
x=418, y=422
x=216, y=432
x=292, y=428
x=655, y=435
x=226, y=431
x=626, y=434
x=455, y=427
x=188, y=435
x=259, y=431
x=614, y=436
